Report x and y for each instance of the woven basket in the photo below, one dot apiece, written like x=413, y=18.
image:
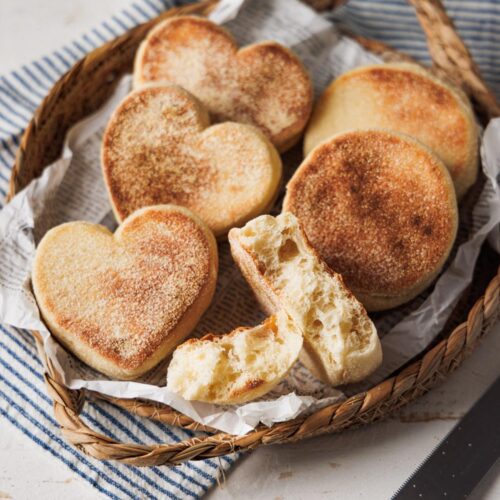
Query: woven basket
x=85, y=87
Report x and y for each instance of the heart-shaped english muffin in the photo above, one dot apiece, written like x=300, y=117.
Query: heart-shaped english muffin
x=159, y=148
x=122, y=302
x=263, y=84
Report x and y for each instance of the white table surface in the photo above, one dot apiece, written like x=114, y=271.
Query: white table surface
x=369, y=463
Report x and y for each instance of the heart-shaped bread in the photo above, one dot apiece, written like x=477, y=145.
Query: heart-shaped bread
x=263, y=84
x=157, y=149
x=122, y=302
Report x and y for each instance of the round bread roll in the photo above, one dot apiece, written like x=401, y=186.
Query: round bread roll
x=380, y=209
x=404, y=98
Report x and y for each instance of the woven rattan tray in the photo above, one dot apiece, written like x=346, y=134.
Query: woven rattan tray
x=86, y=86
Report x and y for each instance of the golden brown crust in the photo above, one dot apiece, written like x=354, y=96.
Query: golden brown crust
x=249, y=387
x=263, y=84
x=379, y=208
x=157, y=149
x=407, y=99
x=248, y=265
x=122, y=302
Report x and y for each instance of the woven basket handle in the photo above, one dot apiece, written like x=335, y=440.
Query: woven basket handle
x=449, y=53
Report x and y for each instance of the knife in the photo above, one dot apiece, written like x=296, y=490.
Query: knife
x=465, y=455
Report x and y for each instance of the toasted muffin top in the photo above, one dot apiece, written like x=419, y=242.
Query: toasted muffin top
x=122, y=295
x=378, y=207
x=263, y=84
x=404, y=98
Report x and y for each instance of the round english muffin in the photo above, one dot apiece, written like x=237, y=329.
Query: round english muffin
x=380, y=208
x=405, y=98
x=341, y=344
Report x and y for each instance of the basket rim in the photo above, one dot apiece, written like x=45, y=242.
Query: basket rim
x=431, y=365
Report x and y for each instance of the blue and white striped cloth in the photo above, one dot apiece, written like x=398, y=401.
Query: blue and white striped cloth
x=393, y=22
x=23, y=398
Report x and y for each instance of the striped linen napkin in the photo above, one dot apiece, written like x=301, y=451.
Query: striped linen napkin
x=393, y=22
x=23, y=399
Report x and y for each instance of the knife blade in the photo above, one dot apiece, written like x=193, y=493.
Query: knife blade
x=464, y=456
